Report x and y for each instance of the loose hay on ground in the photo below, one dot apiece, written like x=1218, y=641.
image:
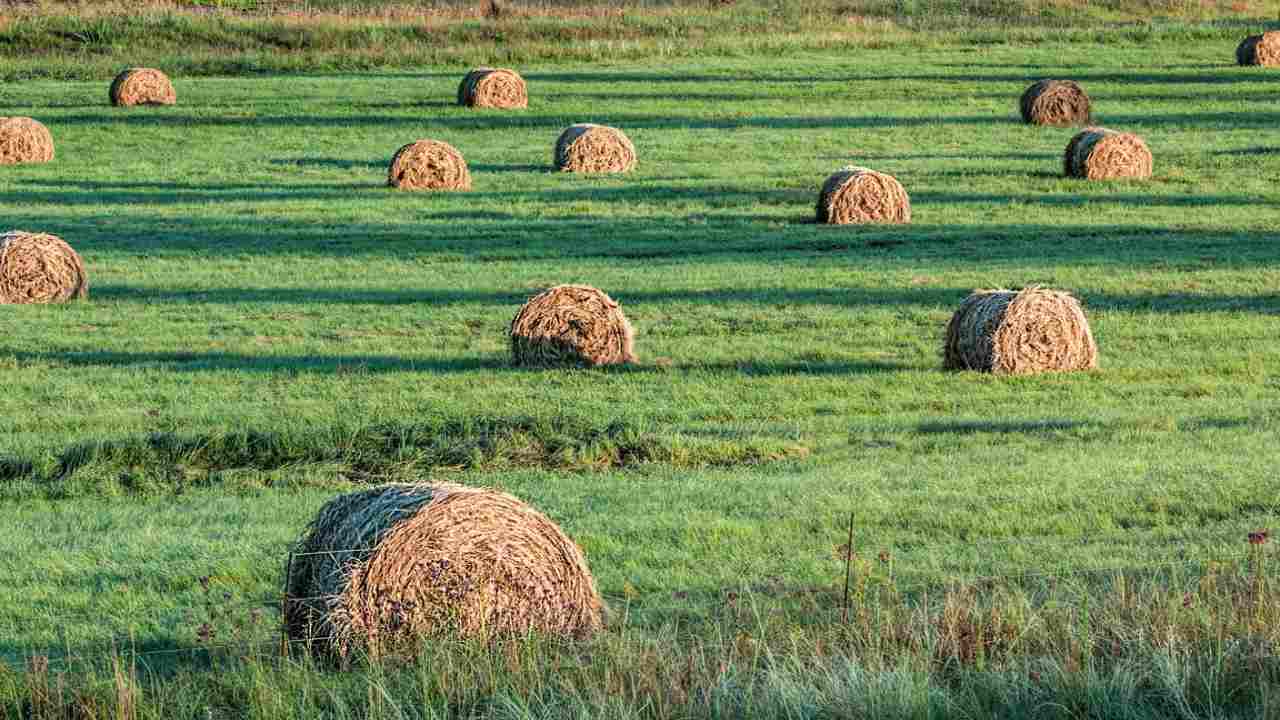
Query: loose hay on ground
x=429, y=165
x=859, y=195
x=1101, y=154
x=1261, y=49
x=571, y=325
x=1056, y=102
x=587, y=148
x=493, y=88
x=1008, y=332
x=24, y=140
x=39, y=268
x=384, y=568
x=142, y=86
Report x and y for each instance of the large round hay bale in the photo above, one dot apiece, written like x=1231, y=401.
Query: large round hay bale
x=384, y=568
x=429, y=165
x=1019, y=333
x=587, y=148
x=1261, y=49
x=571, y=325
x=859, y=195
x=493, y=88
x=1056, y=102
x=1101, y=154
x=39, y=268
x=142, y=86
x=23, y=140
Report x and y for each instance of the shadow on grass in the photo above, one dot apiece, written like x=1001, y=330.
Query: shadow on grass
x=1032, y=427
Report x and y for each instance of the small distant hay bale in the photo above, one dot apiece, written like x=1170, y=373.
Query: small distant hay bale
x=1056, y=102
x=36, y=268
x=571, y=325
x=382, y=569
x=1101, y=154
x=142, y=86
x=855, y=195
x=1010, y=332
x=24, y=140
x=587, y=148
x=493, y=88
x=429, y=165
x=1261, y=49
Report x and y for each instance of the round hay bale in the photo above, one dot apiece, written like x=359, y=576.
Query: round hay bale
x=587, y=148
x=39, y=268
x=429, y=165
x=571, y=325
x=1020, y=333
x=1261, y=49
x=859, y=195
x=1101, y=154
x=142, y=86
x=383, y=568
x=1056, y=102
x=493, y=88
x=23, y=140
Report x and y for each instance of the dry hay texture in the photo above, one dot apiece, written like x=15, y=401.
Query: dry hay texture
x=381, y=569
x=1010, y=332
x=587, y=148
x=493, y=88
x=1101, y=154
x=859, y=195
x=23, y=140
x=429, y=165
x=142, y=86
x=39, y=268
x=1056, y=102
x=1261, y=49
x=571, y=325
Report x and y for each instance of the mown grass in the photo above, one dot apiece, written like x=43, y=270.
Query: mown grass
x=269, y=325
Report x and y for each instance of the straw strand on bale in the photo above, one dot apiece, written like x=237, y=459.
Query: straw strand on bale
x=571, y=325
x=1056, y=102
x=1020, y=333
x=429, y=165
x=39, y=268
x=859, y=195
x=142, y=86
x=1261, y=49
x=587, y=148
x=382, y=569
x=1101, y=154
x=493, y=88
x=24, y=140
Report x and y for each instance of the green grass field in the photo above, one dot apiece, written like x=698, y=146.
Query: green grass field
x=268, y=324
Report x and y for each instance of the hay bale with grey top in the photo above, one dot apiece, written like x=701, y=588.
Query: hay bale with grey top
x=493, y=88
x=1009, y=332
x=855, y=195
x=24, y=140
x=142, y=86
x=38, y=268
x=1056, y=102
x=384, y=569
x=1261, y=49
x=429, y=165
x=571, y=325
x=1101, y=154
x=587, y=148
